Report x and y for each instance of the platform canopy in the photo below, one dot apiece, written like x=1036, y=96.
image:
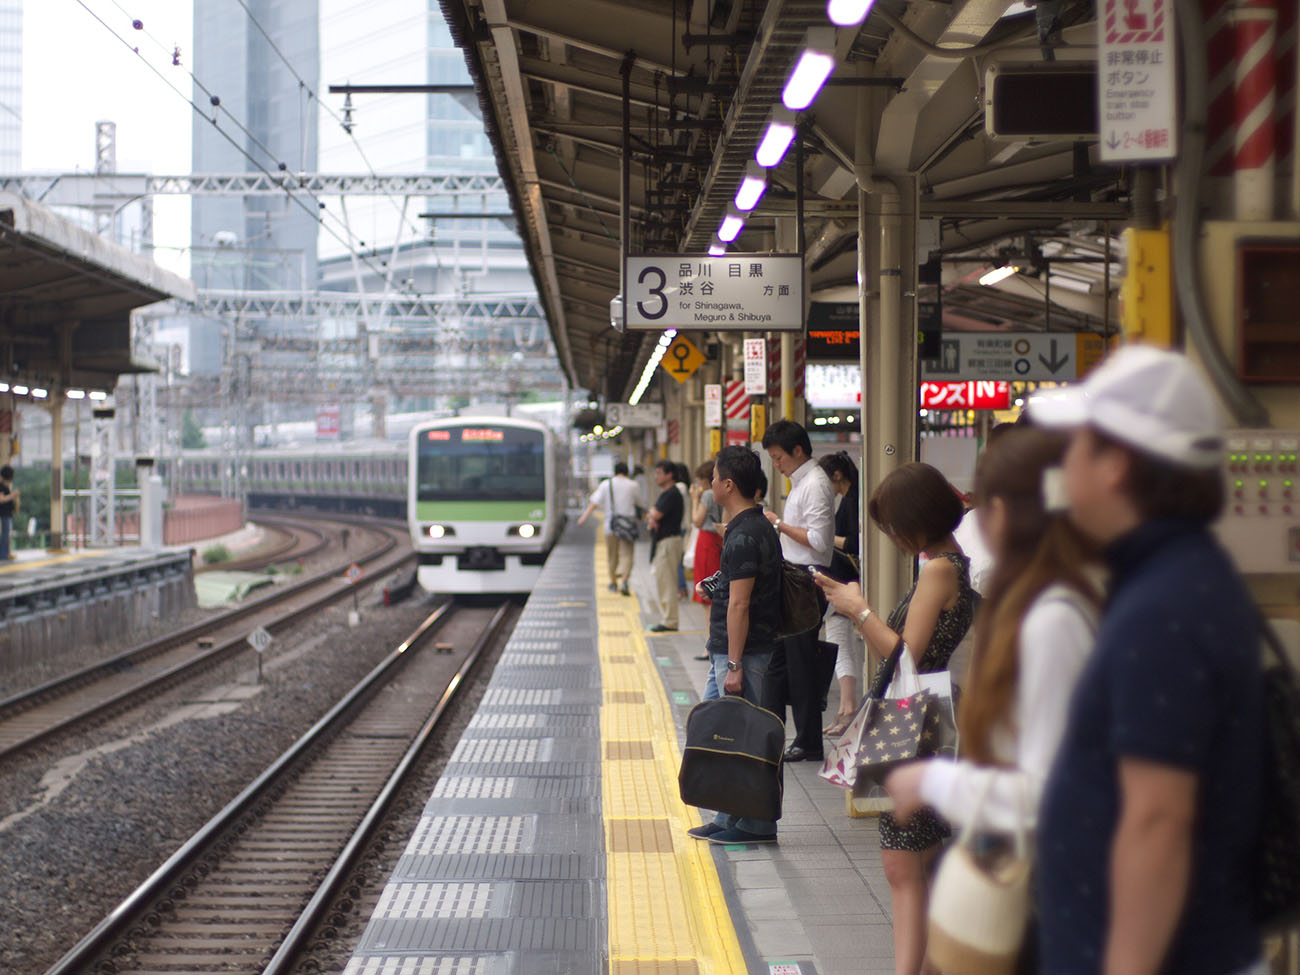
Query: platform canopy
x=67, y=296
x=702, y=77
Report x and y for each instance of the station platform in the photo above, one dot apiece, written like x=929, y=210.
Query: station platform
x=56, y=602
x=555, y=841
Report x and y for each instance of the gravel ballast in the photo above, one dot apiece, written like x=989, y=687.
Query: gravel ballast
x=72, y=847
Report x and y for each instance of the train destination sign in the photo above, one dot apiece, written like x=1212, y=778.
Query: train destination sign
x=1060, y=356
x=731, y=293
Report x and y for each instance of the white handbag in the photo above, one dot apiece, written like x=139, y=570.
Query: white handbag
x=979, y=912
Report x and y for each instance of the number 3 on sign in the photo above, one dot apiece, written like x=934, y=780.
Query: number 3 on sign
x=655, y=292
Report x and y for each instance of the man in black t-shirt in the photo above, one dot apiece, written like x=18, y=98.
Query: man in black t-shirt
x=665, y=520
x=745, y=617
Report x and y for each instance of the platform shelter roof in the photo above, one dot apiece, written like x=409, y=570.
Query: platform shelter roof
x=66, y=296
x=702, y=76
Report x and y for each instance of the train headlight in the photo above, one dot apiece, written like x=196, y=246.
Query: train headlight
x=437, y=531
x=527, y=531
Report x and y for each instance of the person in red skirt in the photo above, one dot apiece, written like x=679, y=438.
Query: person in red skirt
x=706, y=515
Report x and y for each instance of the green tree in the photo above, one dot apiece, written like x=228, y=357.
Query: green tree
x=191, y=432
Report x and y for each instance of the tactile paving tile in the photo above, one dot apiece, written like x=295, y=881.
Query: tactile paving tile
x=531, y=659
x=501, y=750
x=468, y=834
x=522, y=645
x=627, y=697
x=474, y=787
x=483, y=720
x=407, y=901
x=640, y=836
x=518, y=866
x=616, y=750
x=554, y=677
x=684, y=966
x=407, y=965
x=520, y=697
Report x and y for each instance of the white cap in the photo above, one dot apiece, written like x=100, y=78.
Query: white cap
x=1153, y=400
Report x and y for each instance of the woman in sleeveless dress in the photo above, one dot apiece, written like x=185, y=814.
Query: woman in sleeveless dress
x=917, y=509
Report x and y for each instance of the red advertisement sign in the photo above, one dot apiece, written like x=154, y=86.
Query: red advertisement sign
x=327, y=422
x=981, y=394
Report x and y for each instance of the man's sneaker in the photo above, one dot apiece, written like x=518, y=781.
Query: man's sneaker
x=625, y=591
x=661, y=628
x=612, y=587
x=705, y=831
x=736, y=837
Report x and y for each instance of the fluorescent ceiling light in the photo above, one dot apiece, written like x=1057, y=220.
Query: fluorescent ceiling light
x=776, y=138
x=812, y=69
x=717, y=248
x=98, y=394
x=76, y=394
x=1069, y=284
x=731, y=225
x=848, y=13
x=20, y=390
x=40, y=393
x=998, y=274
x=751, y=187
x=4, y=387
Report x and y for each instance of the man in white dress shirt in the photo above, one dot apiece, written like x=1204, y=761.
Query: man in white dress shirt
x=807, y=533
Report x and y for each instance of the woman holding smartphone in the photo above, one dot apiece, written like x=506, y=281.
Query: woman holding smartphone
x=918, y=510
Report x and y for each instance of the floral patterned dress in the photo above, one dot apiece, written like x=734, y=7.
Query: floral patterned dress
x=925, y=828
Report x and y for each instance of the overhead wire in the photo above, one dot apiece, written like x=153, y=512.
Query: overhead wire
x=289, y=191
x=313, y=96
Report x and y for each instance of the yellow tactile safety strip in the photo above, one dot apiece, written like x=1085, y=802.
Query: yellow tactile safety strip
x=667, y=912
x=16, y=565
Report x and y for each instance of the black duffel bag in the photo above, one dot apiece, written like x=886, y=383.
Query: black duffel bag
x=732, y=761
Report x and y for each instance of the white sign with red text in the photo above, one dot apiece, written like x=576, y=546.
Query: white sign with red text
x=1136, y=80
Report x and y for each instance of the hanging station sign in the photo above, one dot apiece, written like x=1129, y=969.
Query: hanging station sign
x=731, y=293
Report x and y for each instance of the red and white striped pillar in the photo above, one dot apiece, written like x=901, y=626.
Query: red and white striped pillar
x=1251, y=59
x=1255, y=103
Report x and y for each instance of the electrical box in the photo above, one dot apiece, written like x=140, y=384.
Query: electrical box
x=1268, y=323
x=1260, y=526
x=1041, y=101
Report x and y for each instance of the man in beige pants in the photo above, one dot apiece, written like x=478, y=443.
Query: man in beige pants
x=665, y=520
x=619, y=498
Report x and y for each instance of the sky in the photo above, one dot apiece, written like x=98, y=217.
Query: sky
x=75, y=73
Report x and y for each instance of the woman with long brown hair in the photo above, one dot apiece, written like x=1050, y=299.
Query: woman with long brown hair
x=1035, y=630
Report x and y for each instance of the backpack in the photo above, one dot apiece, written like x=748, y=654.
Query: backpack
x=801, y=602
x=1276, y=870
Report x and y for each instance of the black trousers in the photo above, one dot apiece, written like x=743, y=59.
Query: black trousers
x=805, y=686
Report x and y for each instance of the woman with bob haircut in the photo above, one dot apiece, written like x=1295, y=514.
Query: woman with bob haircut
x=1037, y=626
x=918, y=510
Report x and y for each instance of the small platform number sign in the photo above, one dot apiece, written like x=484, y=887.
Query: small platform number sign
x=354, y=572
x=731, y=293
x=260, y=639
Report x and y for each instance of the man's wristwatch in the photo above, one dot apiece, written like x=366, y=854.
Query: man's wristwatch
x=733, y=665
x=777, y=525
x=861, y=618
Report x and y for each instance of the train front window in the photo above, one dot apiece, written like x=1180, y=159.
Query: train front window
x=481, y=463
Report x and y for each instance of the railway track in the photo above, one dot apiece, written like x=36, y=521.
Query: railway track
x=129, y=678
x=295, y=540
x=231, y=898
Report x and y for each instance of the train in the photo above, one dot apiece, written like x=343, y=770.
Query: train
x=484, y=496
x=365, y=477
x=485, y=503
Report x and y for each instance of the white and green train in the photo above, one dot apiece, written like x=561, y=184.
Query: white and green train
x=484, y=503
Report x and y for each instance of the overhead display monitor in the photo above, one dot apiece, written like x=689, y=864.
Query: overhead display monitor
x=833, y=387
